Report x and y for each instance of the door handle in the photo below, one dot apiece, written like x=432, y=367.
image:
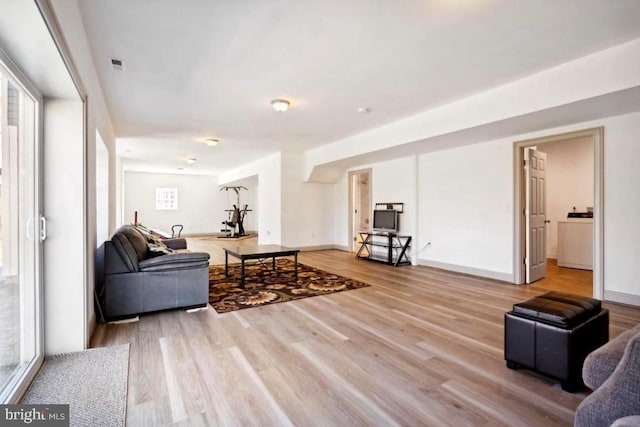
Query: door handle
x=43, y=228
x=547, y=221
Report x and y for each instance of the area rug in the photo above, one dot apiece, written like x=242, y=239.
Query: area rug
x=266, y=286
x=92, y=382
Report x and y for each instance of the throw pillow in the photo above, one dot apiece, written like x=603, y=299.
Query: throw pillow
x=158, y=249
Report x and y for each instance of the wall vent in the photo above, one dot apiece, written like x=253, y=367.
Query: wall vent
x=117, y=64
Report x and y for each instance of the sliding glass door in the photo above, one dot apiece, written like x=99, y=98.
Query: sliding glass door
x=20, y=233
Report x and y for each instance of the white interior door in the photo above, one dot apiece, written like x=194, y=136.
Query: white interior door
x=535, y=213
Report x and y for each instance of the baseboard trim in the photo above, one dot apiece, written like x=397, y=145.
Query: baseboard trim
x=341, y=248
x=622, y=298
x=214, y=234
x=316, y=248
x=503, y=277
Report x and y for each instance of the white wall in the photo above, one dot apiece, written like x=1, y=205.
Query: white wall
x=394, y=181
x=466, y=207
x=307, y=219
x=200, y=204
x=64, y=249
x=622, y=205
x=102, y=190
x=570, y=176
x=68, y=15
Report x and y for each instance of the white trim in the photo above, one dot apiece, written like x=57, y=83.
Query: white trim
x=317, y=248
x=622, y=298
x=350, y=205
x=496, y=275
x=53, y=25
x=340, y=248
x=598, y=200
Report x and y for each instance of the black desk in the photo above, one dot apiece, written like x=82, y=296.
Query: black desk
x=258, y=252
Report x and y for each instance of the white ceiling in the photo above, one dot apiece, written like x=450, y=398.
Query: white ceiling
x=198, y=68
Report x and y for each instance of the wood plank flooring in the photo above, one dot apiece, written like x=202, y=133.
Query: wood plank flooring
x=418, y=347
x=570, y=280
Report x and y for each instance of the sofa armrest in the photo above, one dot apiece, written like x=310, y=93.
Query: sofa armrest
x=600, y=363
x=175, y=261
x=175, y=244
x=618, y=396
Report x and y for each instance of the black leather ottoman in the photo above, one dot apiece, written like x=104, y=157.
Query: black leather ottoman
x=553, y=334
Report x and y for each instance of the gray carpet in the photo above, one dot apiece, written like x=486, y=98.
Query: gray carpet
x=93, y=382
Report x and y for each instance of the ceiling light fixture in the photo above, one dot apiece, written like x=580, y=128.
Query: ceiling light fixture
x=191, y=160
x=280, y=105
x=212, y=142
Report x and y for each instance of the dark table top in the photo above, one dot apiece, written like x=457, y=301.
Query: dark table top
x=262, y=250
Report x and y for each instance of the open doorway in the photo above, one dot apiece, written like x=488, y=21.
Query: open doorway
x=359, y=206
x=558, y=236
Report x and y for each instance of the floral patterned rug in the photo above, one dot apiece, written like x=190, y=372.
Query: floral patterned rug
x=266, y=286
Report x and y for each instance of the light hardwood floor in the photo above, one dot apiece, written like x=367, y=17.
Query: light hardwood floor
x=570, y=280
x=418, y=347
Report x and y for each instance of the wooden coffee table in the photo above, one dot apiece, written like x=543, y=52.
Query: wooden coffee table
x=258, y=252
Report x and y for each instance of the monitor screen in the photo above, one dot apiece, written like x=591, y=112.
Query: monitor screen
x=385, y=220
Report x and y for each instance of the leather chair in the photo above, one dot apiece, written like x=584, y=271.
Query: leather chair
x=138, y=273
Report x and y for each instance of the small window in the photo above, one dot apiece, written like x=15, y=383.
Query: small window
x=166, y=198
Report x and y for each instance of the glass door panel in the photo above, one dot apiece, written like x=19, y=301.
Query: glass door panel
x=19, y=238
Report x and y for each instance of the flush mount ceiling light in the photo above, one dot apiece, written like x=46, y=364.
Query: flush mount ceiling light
x=212, y=142
x=192, y=160
x=280, y=105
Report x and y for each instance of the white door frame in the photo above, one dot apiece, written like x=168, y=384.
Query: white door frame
x=351, y=246
x=519, y=250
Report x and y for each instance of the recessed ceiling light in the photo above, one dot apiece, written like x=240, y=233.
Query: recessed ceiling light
x=363, y=110
x=192, y=160
x=180, y=169
x=212, y=142
x=280, y=105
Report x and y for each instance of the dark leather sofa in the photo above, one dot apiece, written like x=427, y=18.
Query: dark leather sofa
x=138, y=273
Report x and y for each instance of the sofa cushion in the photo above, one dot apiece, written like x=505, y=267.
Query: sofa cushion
x=136, y=239
x=126, y=251
x=600, y=363
x=589, y=304
x=175, y=261
x=558, y=309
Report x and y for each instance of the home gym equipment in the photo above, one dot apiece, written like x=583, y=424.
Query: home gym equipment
x=235, y=219
x=178, y=227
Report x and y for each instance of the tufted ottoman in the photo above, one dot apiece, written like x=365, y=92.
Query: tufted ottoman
x=553, y=334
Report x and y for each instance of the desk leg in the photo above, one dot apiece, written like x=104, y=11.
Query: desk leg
x=296, y=266
x=226, y=263
x=242, y=274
